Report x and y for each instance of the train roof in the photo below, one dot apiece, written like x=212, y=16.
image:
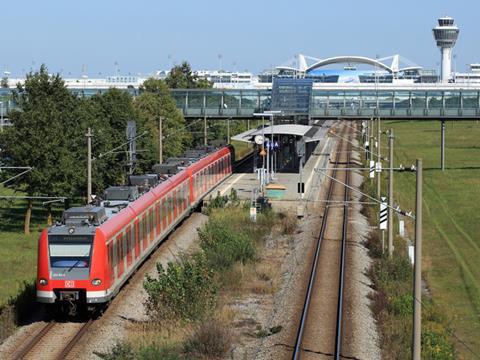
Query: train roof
x=167, y=182
x=123, y=202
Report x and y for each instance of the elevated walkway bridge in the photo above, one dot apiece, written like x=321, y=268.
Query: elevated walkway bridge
x=349, y=101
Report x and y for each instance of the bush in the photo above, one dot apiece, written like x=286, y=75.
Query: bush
x=125, y=351
x=121, y=351
x=401, y=305
x=159, y=352
x=210, y=340
x=223, y=246
x=184, y=291
x=435, y=344
x=289, y=223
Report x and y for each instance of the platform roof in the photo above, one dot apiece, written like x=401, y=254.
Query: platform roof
x=309, y=133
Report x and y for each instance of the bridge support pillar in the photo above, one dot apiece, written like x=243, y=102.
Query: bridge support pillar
x=443, y=146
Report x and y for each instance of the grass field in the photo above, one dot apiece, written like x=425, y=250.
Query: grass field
x=18, y=252
x=241, y=149
x=451, y=225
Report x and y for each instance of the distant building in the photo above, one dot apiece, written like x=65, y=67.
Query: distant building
x=227, y=78
x=472, y=77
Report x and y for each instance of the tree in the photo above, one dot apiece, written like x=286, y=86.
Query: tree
x=4, y=83
x=108, y=116
x=40, y=137
x=155, y=101
x=182, y=77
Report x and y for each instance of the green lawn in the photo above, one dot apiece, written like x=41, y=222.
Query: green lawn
x=18, y=252
x=451, y=223
x=241, y=149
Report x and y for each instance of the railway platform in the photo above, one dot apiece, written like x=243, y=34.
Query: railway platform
x=245, y=183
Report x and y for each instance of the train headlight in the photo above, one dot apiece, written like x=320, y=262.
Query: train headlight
x=43, y=282
x=96, y=282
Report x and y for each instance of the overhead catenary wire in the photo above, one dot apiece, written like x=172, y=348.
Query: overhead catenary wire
x=25, y=168
x=366, y=195
x=357, y=146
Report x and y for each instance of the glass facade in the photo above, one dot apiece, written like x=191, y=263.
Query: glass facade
x=333, y=103
x=292, y=95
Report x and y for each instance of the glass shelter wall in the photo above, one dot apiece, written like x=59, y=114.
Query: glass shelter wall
x=330, y=103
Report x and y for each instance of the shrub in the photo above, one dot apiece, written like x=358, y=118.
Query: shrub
x=185, y=290
x=125, y=351
x=289, y=223
x=121, y=351
x=223, y=246
x=210, y=340
x=435, y=344
x=401, y=305
x=159, y=352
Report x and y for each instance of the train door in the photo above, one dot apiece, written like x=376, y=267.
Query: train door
x=137, y=243
x=170, y=208
x=145, y=232
x=111, y=263
x=129, y=246
x=164, y=213
x=184, y=197
x=140, y=235
x=157, y=218
x=152, y=225
x=175, y=203
x=120, y=264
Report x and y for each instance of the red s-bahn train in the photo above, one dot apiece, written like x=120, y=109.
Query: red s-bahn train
x=85, y=259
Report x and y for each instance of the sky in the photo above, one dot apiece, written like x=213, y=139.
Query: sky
x=147, y=35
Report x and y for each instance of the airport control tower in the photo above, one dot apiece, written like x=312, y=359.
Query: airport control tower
x=446, y=34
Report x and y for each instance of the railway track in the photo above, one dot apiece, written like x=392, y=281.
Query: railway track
x=320, y=329
x=55, y=340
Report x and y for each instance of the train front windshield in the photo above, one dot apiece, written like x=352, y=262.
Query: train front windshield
x=70, y=251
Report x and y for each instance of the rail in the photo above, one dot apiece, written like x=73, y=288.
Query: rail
x=297, y=349
x=30, y=345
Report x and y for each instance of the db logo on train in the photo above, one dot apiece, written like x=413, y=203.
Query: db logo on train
x=70, y=284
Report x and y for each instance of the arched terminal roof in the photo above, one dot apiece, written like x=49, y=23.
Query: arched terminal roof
x=350, y=59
